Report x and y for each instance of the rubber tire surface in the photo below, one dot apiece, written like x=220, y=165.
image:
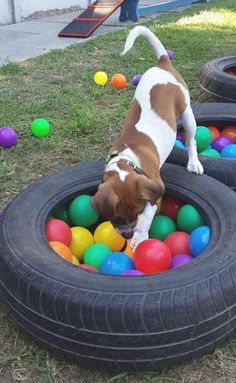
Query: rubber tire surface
x=216, y=114
x=118, y=323
x=215, y=84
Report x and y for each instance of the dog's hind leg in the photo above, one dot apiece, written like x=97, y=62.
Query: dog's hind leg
x=189, y=124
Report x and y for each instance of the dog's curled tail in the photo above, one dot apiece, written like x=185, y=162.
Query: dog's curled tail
x=153, y=40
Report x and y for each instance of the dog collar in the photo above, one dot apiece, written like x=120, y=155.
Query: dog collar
x=123, y=157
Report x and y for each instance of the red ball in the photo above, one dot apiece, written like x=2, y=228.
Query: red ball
x=58, y=230
x=88, y=267
x=152, y=256
x=178, y=243
x=170, y=206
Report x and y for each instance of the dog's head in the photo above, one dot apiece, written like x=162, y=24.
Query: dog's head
x=122, y=201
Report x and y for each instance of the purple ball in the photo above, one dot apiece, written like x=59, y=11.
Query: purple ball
x=8, y=137
x=180, y=260
x=136, y=79
x=180, y=136
x=132, y=273
x=220, y=142
x=170, y=54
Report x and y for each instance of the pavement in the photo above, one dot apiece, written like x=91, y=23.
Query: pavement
x=31, y=38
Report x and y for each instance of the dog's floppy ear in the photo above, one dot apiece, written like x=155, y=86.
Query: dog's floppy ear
x=105, y=201
x=150, y=190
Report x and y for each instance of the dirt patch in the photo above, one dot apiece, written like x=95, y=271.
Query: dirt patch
x=52, y=12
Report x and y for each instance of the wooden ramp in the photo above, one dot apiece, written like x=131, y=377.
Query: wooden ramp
x=89, y=20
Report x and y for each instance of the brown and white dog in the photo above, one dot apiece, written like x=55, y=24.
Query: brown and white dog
x=132, y=184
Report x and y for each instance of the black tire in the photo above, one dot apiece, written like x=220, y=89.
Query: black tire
x=119, y=323
x=217, y=115
x=216, y=85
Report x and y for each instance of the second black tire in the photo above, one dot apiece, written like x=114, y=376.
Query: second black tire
x=216, y=84
x=219, y=115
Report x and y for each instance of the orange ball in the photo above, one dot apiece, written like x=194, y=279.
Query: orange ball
x=229, y=132
x=118, y=81
x=62, y=250
x=214, y=131
x=128, y=251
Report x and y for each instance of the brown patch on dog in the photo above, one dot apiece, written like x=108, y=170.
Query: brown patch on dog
x=165, y=63
x=163, y=95
x=140, y=143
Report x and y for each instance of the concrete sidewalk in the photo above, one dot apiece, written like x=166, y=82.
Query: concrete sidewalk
x=39, y=36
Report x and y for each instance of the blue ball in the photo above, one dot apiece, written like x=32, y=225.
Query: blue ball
x=179, y=144
x=229, y=151
x=199, y=239
x=116, y=264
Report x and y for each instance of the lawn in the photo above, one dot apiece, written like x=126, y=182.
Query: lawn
x=85, y=120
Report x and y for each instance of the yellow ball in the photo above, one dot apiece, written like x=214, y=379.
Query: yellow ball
x=81, y=240
x=100, y=78
x=105, y=233
x=75, y=260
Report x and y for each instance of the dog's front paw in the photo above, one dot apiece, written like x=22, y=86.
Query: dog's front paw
x=195, y=167
x=138, y=237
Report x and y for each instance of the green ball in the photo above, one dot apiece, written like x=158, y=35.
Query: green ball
x=95, y=254
x=161, y=227
x=61, y=213
x=210, y=153
x=40, y=127
x=188, y=218
x=203, y=137
x=81, y=212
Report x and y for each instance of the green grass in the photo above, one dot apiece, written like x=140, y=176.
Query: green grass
x=85, y=120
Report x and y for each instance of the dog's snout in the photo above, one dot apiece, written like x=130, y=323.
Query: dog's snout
x=127, y=234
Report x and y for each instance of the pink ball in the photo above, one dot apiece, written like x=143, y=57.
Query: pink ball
x=8, y=137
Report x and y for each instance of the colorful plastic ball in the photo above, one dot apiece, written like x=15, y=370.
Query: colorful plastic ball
x=62, y=250
x=178, y=243
x=8, y=137
x=180, y=135
x=229, y=132
x=170, y=54
x=152, y=256
x=132, y=273
x=188, y=218
x=81, y=212
x=100, y=78
x=229, y=151
x=81, y=240
x=118, y=81
x=61, y=213
x=199, y=239
x=220, y=142
x=179, y=144
x=180, y=260
x=105, y=233
x=116, y=264
x=170, y=206
x=210, y=152
x=214, y=132
x=75, y=260
x=129, y=251
x=161, y=227
x=95, y=254
x=57, y=230
x=135, y=80
x=203, y=137
x=88, y=267
x=40, y=127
